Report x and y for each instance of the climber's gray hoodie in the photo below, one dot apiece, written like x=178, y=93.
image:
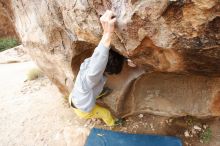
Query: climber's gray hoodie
x=90, y=79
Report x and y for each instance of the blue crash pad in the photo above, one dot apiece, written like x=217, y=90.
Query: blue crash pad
x=99, y=137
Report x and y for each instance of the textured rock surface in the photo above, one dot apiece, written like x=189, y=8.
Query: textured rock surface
x=7, y=28
x=176, y=37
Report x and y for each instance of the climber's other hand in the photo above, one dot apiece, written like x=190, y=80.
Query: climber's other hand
x=131, y=63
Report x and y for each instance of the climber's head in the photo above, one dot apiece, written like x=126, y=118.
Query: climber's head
x=115, y=63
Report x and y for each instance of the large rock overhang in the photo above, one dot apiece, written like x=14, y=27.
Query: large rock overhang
x=174, y=43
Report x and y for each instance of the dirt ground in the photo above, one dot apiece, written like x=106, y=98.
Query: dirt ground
x=35, y=113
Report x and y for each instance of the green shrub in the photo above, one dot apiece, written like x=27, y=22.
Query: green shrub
x=34, y=73
x=206, y=135
x=6, y=43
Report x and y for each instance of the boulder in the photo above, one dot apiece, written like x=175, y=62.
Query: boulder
x=7, y=28
x=175, y=44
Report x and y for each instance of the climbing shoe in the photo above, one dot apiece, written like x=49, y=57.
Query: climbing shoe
x=119, y=122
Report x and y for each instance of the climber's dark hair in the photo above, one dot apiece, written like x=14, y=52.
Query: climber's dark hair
x=115, y=63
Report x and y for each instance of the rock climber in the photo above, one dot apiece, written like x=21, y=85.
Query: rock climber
x=91, y=77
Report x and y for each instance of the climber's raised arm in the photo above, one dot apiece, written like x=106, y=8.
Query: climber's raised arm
x=99, y=58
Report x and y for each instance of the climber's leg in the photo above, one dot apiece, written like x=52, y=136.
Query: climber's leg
x=97, y=112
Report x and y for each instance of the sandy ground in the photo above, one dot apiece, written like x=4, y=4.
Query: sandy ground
x=35, y=113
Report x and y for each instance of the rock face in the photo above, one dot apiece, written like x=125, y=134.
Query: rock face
x=176, y=45
x=7, y=28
